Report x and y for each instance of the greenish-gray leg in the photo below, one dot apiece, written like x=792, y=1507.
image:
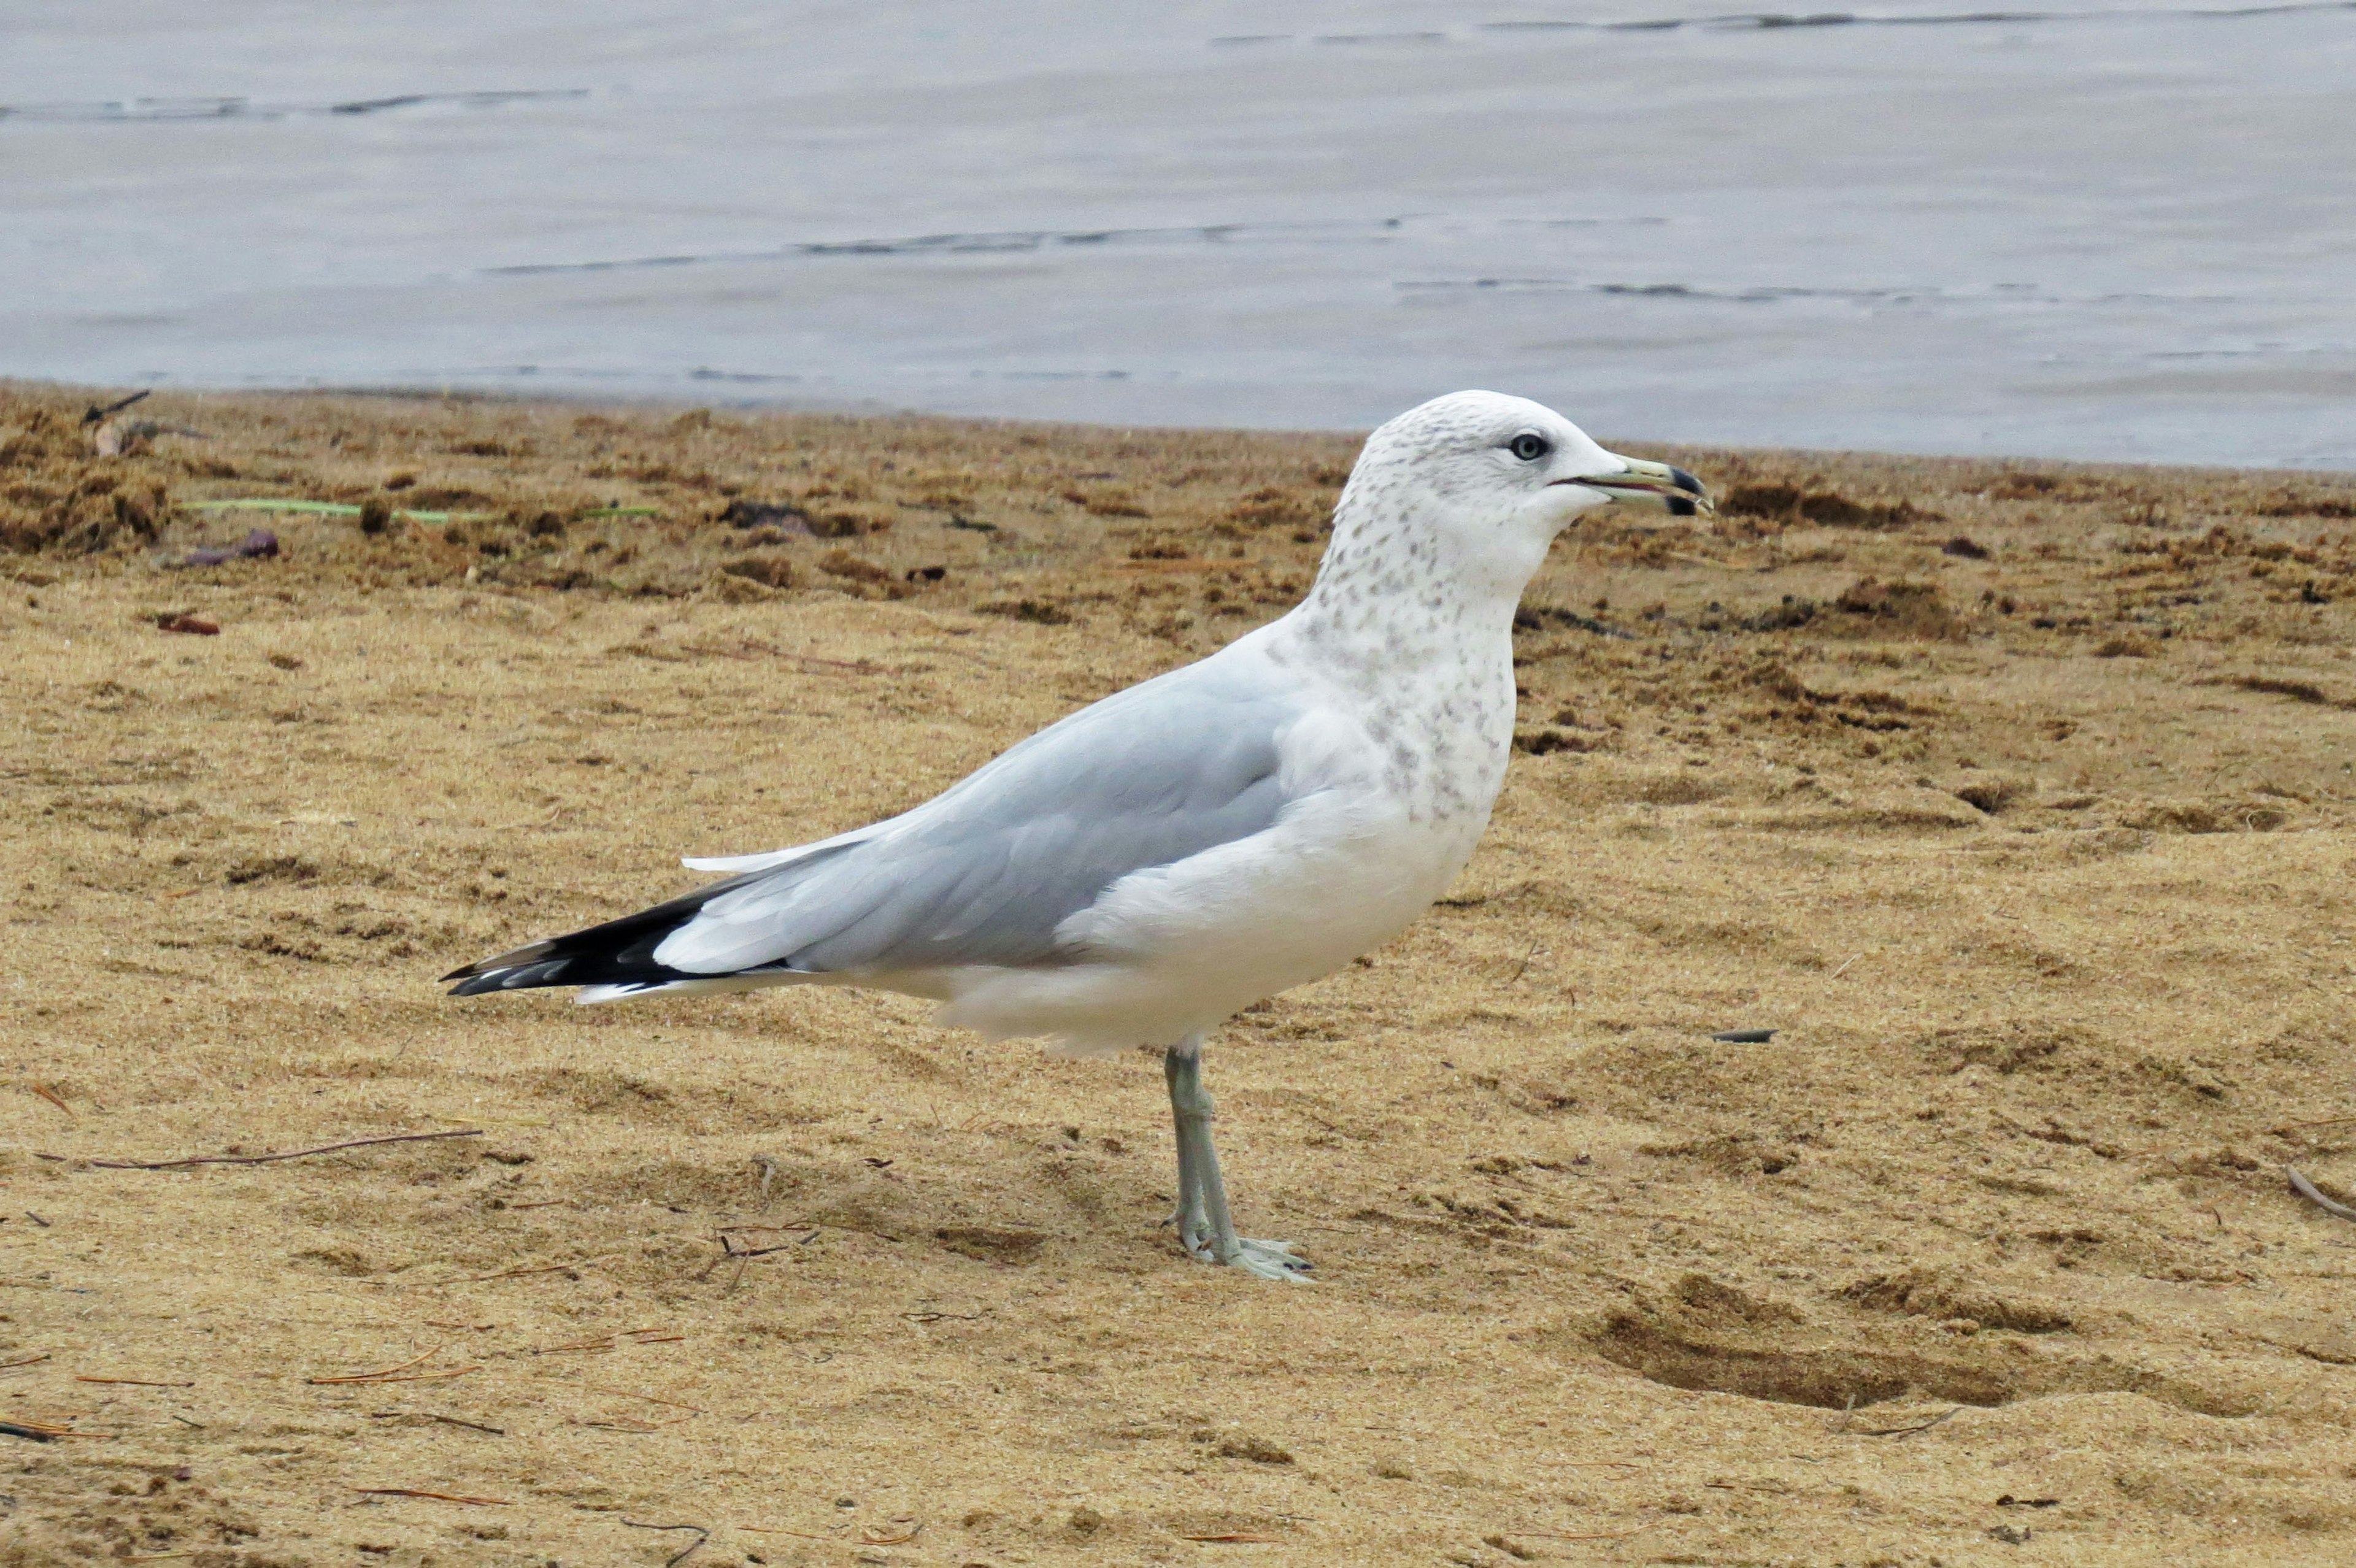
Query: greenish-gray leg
x=1206, y=1228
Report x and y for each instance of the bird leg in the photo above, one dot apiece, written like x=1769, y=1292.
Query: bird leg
x=1206, y=1228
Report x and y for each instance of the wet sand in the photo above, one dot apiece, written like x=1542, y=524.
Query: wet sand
x=2017, y=798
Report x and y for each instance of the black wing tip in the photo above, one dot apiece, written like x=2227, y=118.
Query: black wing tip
x=497, y=975
x=619, y=952
x=515, y=959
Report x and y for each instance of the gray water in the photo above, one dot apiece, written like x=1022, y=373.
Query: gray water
x=2099, y=231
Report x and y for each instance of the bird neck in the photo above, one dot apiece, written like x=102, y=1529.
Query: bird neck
x=1422, y=648
x=1394, y=599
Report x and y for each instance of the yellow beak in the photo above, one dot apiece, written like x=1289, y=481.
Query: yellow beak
x=1649, y=484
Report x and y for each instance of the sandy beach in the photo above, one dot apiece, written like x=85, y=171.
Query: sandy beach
x=2016, y=799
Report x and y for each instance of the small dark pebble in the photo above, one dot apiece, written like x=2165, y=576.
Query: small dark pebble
x=259, y=545
x=1746, y=1036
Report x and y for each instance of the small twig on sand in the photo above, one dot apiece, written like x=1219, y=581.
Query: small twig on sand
x=852, y=667
x=271, y=1158
x=702, y=1535
x=435, y=1496
x=399, y=1374
x=612, y=1341
x=31, y=1432
x=2306, y=1188
x=26, y=1362
x=734, y=1250
x=53, y=1097
x=872, y=1536
x=133, y=1382
x=409, y=1376
x=1910, y=1431
x=541, y=1268
x=357, y=1377
x=1602, y=1535
x=1233, y=1538
x=1844, y=964
x=1594, y=1464
x=454, y=1421
x=650, y=1399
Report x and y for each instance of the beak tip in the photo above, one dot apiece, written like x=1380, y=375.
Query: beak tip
x=1672, y=489
x=1693, y=487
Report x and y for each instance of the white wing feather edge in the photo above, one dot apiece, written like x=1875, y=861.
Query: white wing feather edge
x=733, y=864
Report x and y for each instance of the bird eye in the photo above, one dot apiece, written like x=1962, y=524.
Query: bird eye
x=1528, y=447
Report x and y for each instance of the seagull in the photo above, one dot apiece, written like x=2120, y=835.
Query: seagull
x=1136, y=873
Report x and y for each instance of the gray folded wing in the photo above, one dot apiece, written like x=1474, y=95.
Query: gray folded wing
x=985, y=872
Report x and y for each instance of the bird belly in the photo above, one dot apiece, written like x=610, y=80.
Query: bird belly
x=1168, y=952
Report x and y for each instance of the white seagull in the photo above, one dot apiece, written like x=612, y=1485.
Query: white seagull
x=1137, y=872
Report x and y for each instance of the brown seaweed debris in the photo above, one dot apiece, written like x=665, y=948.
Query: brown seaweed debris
x=1794, y=504
x=58, y=496
x=1899, y=609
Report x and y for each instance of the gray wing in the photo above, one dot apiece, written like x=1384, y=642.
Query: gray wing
x=985, y=872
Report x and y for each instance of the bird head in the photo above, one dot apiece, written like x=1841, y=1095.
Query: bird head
x=1477, y=484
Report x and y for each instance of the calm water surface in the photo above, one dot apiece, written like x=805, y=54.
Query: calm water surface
x=2101, y=231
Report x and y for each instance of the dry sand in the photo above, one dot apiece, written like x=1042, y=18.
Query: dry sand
x=2018, y=797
